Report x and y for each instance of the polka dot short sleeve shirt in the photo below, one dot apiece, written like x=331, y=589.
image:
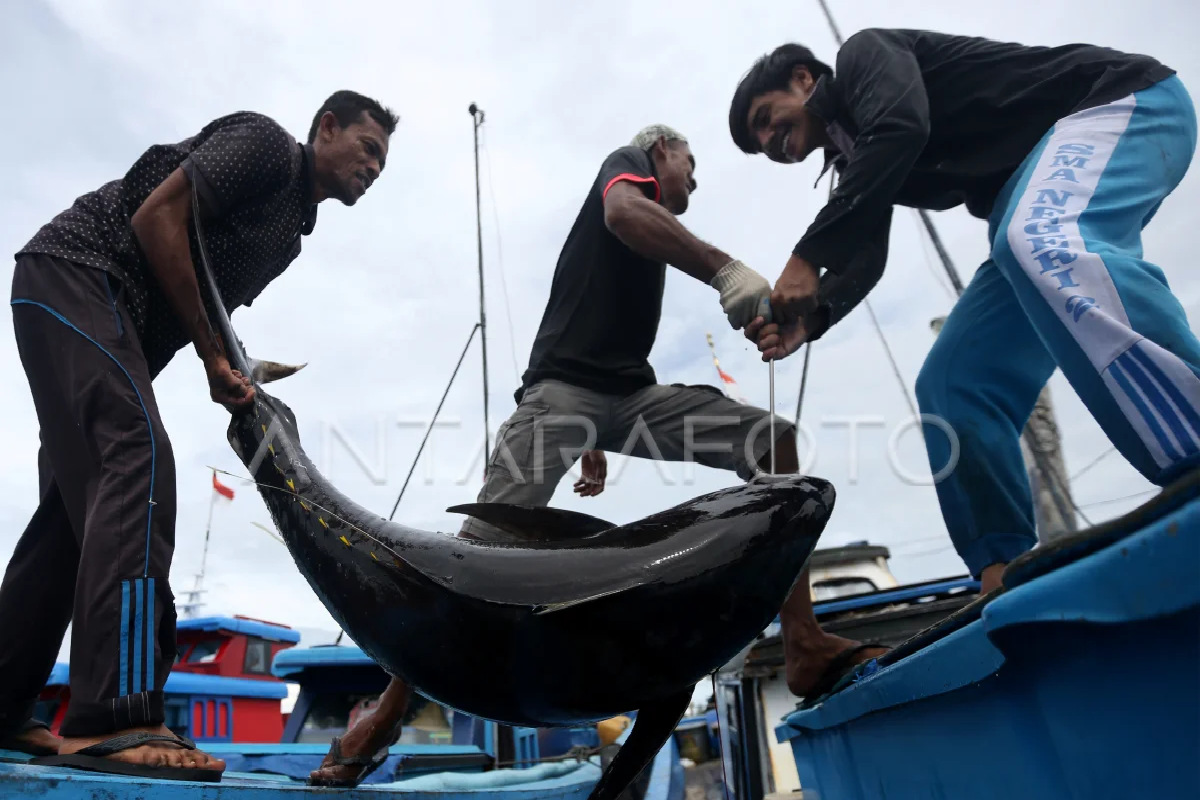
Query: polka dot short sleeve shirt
x=256, y=186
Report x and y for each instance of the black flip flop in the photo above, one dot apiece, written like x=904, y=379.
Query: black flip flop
x=13, y=742
x=92, y=759
x=369, y=763
x=839, y=667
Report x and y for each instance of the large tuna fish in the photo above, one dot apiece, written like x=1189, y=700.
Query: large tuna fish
x=570, y=620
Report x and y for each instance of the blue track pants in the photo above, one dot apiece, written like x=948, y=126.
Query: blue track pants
x=1066, y=286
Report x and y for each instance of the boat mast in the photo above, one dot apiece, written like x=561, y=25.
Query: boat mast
x=476, y=121
x=481, y=325
x=1041, y=446
x=193, y=603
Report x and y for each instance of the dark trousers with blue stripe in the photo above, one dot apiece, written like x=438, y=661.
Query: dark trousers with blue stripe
x=97, y=552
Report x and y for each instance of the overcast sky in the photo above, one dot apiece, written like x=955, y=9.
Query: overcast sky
x=383, y=296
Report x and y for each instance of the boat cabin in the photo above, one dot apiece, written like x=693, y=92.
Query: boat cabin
x=855, y=568
x=220, y=689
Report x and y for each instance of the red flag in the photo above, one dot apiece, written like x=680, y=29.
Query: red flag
x=221, y=488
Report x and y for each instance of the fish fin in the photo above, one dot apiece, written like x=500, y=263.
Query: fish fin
x=535, y=523
x=550, y=608
x=267, y=371
x=653, y=726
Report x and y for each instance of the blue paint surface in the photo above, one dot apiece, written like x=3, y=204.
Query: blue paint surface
x=290, y=662
x=187, y=683
x=898, y=595
x=551, y=781
x=249, y=627
x=1080, y=684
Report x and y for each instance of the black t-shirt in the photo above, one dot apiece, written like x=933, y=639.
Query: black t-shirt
x=255, y=181
x=605, y=300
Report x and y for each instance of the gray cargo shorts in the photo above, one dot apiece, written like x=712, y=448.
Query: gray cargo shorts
x=556, y=422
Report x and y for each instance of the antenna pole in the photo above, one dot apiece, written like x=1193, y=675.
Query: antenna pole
x=476, y=121
x=193, y=602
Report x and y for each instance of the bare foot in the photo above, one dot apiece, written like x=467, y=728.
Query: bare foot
x=810, y=657
x=37, y=740
x=367, y=736
x=152, y=754
x=364, y=739
x=991, y=578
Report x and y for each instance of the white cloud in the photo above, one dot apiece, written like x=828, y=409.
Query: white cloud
x=384, y=294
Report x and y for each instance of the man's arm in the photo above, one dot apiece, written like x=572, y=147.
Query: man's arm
x=841, y=292
x=836, y=296
x=651, y=231
x=161, y=227
x=248, y=157
x=888, y=104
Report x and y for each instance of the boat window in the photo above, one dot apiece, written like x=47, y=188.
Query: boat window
x=258, y=657
x=430, y=724
x=329, y=716
x=331, y=713
x=177, y=720
x=204, y=652
x=841, y=587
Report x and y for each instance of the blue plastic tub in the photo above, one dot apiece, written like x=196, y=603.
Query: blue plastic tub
x=1082, y=684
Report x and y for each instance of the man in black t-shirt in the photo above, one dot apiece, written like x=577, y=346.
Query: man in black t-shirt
x=589, y=386
x=103, y=297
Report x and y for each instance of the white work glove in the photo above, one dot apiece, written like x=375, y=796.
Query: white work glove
x=744, y=294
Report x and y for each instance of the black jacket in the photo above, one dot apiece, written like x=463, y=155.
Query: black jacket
x=931, y=120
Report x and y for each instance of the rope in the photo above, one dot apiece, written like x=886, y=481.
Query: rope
x=892, y=360
x=1094, y=462
x=579, y=753
x=332, y=515
x=512, y=341
x=803, y=381
x=436, y=411
x=1134, y=496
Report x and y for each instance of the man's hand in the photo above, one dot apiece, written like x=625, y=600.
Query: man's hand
x=595, y=470
x=744, y=293
x=228, y=386
x=777, y=341
x=795, y=294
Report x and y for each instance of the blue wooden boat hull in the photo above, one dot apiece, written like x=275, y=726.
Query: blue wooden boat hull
x=569, y=780
x=544, y=782
x=1077, y=683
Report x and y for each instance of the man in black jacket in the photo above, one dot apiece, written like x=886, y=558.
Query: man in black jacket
x=1067, y=152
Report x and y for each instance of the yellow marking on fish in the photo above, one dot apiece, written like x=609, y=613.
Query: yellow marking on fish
x=264, y=427
x=322, y=521
x=271, y=447
x=345, y=541
x=305, y=506
x=291, y=485
x=374, y=556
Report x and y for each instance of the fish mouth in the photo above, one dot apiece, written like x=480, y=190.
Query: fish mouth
x=800, y=497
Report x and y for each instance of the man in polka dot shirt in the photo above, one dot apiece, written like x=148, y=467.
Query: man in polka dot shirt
x=103, y=297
